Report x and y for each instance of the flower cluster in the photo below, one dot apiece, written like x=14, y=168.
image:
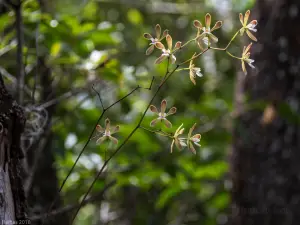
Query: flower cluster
x=204, y=39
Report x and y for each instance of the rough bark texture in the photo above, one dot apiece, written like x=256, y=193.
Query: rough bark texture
x=12, y=198
x=266, y=151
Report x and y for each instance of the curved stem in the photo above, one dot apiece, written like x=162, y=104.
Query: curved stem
x=233, y=56
x=160, y=132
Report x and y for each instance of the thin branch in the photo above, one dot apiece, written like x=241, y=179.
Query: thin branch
x=69, y=208
x=99, y=96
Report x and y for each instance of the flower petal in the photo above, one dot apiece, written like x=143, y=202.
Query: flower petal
x=192, y=77
x=159, y=45
x=250, y=35
x=179, y=130
x=198, y=136
x=191, y=147
x=247, y=48
x=154, y=122
x=173, y=59
x=114, y=140
x=207, y=20
x=191, y=131
x=157, y=31
x=165, y=33
x=115, y=129
x=169, y=41
x=197, y=144
x=213, y=37
x=150, y=50
x=244, y=67
x=168, y=123
x=100, y=140
x=99, y=128
x=147, y=36
x=177, y=45
x=241, y=18
x=163, y=106
x=217, y=26
x=177, y=143
x=153, y=109
x=197, y=24
x=247, y=14
x=172, y=145
x=107, y=125
x=172, y=111
x=160, y=59
x=242, y=30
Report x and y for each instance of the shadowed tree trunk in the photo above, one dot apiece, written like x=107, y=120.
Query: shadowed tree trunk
x=12, y=197
x=266, y=151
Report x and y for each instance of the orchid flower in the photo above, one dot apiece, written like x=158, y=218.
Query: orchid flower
x=194, y=71
x=179, y=142
x=245, y=58
x=167, y=52
x=206, y=37
x=156, y=39
x=162, y=115
x=107, y=132
x=246, y=27
x=195, y=139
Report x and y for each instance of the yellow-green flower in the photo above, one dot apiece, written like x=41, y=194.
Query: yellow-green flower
x=107, y=132
x=195, y=139
x=246, y=27
x=246, y=58
x=162, y=115
x=194, y=71
x=179, y=142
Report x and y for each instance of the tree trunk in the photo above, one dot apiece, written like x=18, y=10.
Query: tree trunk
x=266, y=151
x=12, y=198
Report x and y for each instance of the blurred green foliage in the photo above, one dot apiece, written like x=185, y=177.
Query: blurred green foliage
x=153, y=186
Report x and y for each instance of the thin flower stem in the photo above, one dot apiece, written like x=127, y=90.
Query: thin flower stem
x=196, y=56
x=182, y=69
x=233, y=56
x=229, y=43
x=188, y=42
x=160, y=132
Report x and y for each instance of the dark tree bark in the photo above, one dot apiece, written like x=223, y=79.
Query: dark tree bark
x=12, y=198
x=266, y=152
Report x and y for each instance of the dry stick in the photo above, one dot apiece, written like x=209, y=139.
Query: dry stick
x=20, y=41
x=124, y=142
x=84, y=147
